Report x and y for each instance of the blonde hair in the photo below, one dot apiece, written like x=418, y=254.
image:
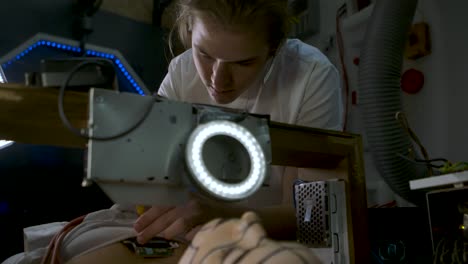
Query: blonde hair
x=272, y=13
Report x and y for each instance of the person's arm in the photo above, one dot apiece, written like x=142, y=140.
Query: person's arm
x=184, y=220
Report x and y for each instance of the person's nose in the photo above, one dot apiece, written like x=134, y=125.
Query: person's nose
x=221, y=76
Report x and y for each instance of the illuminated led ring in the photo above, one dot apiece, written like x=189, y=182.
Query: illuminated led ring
x=206, y=180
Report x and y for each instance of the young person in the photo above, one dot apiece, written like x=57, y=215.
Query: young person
x=239, y=57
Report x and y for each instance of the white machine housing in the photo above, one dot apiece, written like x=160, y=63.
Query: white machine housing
x=147, y=164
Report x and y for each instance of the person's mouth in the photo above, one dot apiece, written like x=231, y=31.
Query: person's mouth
x=220, y=91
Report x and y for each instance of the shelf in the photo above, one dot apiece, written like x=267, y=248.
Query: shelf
x=440, y=181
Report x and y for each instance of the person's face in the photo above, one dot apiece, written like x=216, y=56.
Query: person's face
x=227, y=59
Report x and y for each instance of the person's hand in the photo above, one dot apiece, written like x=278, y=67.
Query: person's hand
x=242, y=240
x=172, y=221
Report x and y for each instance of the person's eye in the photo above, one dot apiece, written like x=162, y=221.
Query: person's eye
x=204, y=55
x=245, y=63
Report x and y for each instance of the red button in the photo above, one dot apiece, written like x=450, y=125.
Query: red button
x=356, y=61
x=412, y=81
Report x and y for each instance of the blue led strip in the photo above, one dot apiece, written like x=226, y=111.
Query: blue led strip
x=121, y=67
x=74, y=49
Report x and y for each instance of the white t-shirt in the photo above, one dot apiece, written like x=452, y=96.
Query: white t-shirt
x=299, y=86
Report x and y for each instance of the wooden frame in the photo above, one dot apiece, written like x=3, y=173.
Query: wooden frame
x=29, y=115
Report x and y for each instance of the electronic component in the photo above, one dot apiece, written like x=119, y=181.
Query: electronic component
x=157, y=247
x=320, y=214
x=448, y=214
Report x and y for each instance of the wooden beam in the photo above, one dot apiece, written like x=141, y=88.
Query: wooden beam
x=305, y=147
x=30, y=115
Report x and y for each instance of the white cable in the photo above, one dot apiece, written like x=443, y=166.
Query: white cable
x=206, y=180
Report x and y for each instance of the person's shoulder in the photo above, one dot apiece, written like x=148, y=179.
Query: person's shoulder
x=183, y=62
x=297, y=50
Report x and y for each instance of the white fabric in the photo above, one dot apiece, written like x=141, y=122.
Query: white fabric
x=39, y=236
x=33, y=257
x=298, y=86
x=98, y=229
x=36, y=240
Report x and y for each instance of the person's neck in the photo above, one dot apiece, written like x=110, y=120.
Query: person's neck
x=259, y=81
x=243, y=101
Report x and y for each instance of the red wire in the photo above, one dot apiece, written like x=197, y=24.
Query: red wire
x=52, y=255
